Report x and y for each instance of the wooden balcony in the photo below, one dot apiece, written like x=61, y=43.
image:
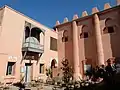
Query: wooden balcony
x=31, y=44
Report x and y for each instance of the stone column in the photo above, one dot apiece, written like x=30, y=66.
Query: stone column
x=98, y=39
x=76, y=71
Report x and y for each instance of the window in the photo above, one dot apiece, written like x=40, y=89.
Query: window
x=42, y=68
x=65, y=36
x=84, y=35
x=64, y=39
x=108, y=30
x=27, y=32
x=35, y=32
x=53, y=44
x=10, y=68
x=109, y=26
x=84, y=32
x=27, y=29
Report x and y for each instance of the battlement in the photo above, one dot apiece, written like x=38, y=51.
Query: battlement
x=107, y=6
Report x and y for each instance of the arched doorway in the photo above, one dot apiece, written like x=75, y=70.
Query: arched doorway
x=53, y=68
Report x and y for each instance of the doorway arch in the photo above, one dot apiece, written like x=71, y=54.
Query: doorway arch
x=54, y=67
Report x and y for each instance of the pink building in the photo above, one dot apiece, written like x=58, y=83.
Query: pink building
x=89, y=40
x=27, y=47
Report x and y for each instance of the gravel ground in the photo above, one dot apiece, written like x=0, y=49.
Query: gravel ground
x=50, y=87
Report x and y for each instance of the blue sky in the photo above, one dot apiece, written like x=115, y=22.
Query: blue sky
x=48, y=11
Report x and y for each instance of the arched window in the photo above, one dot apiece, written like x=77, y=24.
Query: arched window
x=35, y=32
x=41, y=38
x=84, y=35
x=84, y=32
x=109, y=26
x=65, y=36
x=27, y=32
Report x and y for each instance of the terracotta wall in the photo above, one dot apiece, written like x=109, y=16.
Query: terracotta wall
x=65, y=49
x=111, y=41
x=87, y=46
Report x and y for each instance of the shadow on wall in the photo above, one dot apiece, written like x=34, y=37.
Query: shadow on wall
x=112, y=28
x=89, y=44
x=66, y=39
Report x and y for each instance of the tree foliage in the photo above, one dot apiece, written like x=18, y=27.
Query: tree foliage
x=67, y=71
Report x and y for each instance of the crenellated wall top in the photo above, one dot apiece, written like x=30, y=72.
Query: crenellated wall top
x=107, y=7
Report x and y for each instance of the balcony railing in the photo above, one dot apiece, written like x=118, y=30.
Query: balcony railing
x=32, y=46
